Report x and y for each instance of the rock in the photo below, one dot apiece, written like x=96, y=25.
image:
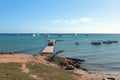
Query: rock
x=75, y=59
x=1, y=52
x=70, y=63
x=69, y=67
x=109, y=79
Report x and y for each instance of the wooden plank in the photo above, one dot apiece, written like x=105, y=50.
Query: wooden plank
x=49, y=50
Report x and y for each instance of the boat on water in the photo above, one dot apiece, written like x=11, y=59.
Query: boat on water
x=59, y=40
x=96, y=42
x=86, y=34
x=77, y=43
x=33, y=35
x=47, y=35
x=104, y=42
x=59, y=34
x=110, y=41
x=115, y=41
x=74, y=34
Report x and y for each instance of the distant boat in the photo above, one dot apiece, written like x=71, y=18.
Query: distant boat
x=96, y=42
x=47, y=35
x=74, y=34
x=86, y=34
x=110, y=41
x=77, y=43
x=59, y=34
x=107, y=42
x=33, y=35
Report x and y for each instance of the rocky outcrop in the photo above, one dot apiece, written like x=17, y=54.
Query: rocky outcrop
x=70, y=63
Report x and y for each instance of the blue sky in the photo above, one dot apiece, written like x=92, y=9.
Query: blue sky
x=62, y=16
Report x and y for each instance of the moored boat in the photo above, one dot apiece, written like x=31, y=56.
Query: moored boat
x=33, y=35
x=77, y=43
x=110, y=41
x=47, y=35
x=96, y=42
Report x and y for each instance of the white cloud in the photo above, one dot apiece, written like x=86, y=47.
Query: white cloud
x=73, y=21
x=85, y=19
x=57, y=21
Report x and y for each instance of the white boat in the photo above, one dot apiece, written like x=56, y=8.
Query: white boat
x=33, y=35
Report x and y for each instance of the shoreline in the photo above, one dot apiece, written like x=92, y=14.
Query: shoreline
x=104, y=72
x=24, y=55
x=84, y=75
x=30, y=55
x=82, y=68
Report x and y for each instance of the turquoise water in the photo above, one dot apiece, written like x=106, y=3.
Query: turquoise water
x=105, y=57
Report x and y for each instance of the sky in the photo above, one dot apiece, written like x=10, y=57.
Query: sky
x=59, y=16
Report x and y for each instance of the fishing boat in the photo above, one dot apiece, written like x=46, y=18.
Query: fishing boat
x=96, y=42
x=110, y=41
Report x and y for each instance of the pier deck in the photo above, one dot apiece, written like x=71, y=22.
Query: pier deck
x=49, y=50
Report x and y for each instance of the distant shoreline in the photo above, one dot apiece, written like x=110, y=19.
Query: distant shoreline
x=61, y=33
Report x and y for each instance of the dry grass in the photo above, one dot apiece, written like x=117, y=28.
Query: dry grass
x=49, y=72
x=12, y=71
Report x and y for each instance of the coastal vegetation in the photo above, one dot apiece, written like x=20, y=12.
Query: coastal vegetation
x=49, y=72
x=12, y=71
x=28, y=67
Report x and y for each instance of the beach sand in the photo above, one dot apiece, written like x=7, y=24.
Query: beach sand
x=82, y=75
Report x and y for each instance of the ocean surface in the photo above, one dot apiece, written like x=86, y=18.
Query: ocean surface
x=104, y=57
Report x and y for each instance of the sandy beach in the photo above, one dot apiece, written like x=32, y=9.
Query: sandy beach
x=83, y=75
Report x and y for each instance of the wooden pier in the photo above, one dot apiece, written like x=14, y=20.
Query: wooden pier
x=49, y=50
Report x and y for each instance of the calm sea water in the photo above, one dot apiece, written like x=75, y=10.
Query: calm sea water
x=105, y=57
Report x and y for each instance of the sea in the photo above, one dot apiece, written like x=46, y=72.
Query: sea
x=104, y=57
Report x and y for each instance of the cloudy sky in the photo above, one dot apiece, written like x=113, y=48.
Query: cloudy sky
x=62, y=16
